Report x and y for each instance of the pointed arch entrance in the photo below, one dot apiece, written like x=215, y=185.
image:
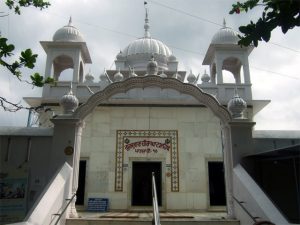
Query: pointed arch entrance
x=75, y=120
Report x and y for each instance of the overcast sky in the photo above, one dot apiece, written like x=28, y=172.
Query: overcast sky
x=110, y=25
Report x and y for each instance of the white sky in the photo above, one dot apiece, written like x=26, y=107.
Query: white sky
x=110, y=25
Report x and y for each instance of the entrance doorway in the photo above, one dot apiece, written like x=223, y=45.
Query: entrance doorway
x=81, y=183
x=217, y=194
x=142, y=183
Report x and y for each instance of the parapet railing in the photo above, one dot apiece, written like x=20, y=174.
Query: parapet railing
x=156, y=218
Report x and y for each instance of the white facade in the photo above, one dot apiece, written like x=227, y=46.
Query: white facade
x=199, y=141
x=150, y=109
x=144, y=115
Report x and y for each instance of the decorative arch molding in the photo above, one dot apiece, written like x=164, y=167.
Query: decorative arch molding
x=165, y=83
x=143, y=82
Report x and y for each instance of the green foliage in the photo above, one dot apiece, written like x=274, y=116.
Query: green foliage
x=39, y=81
x=17, y=4
x=276, y=13
x=27, y=59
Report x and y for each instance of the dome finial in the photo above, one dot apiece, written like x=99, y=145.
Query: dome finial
x=224, y=23
x=146, y=26
x=71, y=87
x=70, y=21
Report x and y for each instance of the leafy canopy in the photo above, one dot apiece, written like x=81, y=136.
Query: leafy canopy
x=26, y=59
x=16, y=5
x=276, y=13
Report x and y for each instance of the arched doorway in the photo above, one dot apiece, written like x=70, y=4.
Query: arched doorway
x=163, y=83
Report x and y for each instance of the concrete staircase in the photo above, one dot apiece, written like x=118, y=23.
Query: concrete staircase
x=146, y=219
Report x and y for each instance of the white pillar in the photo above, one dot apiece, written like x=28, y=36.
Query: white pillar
x=67, y=133
x=76, y=160
x=48, y=66
x=246, y=70
x=76, y=61
x=228, y=169
x=219, y=65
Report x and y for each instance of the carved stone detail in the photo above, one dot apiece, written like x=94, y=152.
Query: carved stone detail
x=165, y=83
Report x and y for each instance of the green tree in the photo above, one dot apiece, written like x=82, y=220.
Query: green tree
x=27, y=59
x=276, y=13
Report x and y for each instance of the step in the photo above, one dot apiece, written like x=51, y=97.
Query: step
x=163, y=222
x=146, y=219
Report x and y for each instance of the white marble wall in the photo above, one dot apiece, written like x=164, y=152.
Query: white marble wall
x=199, y=141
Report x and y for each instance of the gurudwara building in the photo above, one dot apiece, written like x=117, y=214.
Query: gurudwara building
x=104, y=139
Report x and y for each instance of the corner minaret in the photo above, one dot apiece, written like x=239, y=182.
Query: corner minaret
x=224, y=53
x=67, y=50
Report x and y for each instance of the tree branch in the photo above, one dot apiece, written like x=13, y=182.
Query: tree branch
x=9, y=106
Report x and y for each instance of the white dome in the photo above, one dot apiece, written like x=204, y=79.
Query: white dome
x=162, y=74
x=172, y=58
x=205, y=77
x=236, y=106
x=152, y=67
x=68, y=33
x=191, y=78
x=225, y=35
x=148, y=46
x=69, y=102
x=118, y=76
x=137, y=54
x=89, y=78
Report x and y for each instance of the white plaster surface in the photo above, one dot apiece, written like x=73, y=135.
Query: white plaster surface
x=199, y=140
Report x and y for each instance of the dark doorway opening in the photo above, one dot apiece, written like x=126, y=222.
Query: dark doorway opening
x=142, y=183
x=217, y=194
x=81, y=183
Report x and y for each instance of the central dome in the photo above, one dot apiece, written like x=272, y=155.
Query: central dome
x=146, y=46
x=138, y=53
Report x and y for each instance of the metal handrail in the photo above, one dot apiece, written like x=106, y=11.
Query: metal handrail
x=65, y=208
x=244, y=208
x=156, y=218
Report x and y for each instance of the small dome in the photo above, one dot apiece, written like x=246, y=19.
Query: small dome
x=225, y=35
x=69, y=102
x=103, y=76
x=118, y=76
x=162, y=74
x=205, y=77
x=236, y=106
x=132, y=73
x=120, y=56
x=89, y=78
x=172, y=58
x=152, y=68
x=191, y=78
x=177, y=76
x=68, y=33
